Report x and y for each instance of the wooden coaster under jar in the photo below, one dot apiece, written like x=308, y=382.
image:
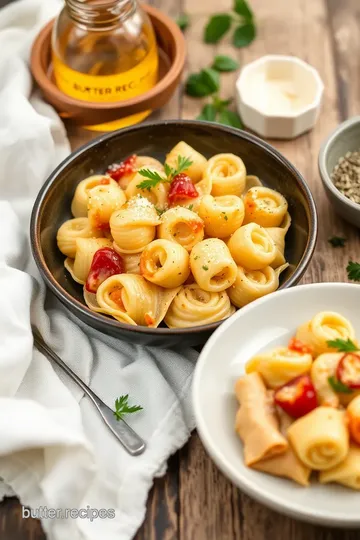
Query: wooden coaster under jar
x=102, y=113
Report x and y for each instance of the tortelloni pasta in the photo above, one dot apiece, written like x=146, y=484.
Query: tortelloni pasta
x=222, y=215
x=320, y=438
x=185, y=225
x=279, y=366
x=265, y=207
x=165, y=263
x=347, y=472
x=79, y=205
x=182, y=226
x=325, y=326
x=102, y=203
x=277, y=234
x=192, y=306
x=212, y=265
x=252, y=284
x=252, y=247
x=85, y=250
x=133, y=227
x=131, y=299
x=70, y=231
x=227, y=173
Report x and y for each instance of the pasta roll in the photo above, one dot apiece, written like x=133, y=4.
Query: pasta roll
x=264, y=206
x=222, y=215
x=85, y=251
x=212, y=265
x=133, y=227
x=102, y=202
x=165, y=263
x=227, y=173
x=252, y=247
x=325, y=326
x=131, y=299
x=256, y=422
x=70, y=231
x=323, y=367
x=157, y=195
x=181, y=225
x=196, y=170
x=347, y=472
x=279, y=366
x=320, y=438
x=277, y=235
x=192, y=306
x=286, y=465
x=252, y=284
x=79, y=205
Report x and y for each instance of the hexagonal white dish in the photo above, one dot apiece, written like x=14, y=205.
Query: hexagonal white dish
x=279, y=96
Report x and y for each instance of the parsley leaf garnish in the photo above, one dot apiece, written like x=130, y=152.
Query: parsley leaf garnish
x=337, y=241
x=343, y=345
x=153, y=177
x=205, y=268
x=353, y=270
x=338, y=386
x=122, y=407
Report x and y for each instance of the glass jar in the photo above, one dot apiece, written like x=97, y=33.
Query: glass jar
x=104, y=51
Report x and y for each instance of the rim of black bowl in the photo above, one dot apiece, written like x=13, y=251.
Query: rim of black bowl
x=82, y=311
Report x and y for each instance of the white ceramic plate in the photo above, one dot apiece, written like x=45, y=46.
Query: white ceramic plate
x=262, y=325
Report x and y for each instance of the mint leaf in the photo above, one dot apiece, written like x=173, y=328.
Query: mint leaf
x=217, y=27
x=220, y=104
x=183, y=21
x=244, y=35
x=211, y=78
x=208, y=113
x=242, y=8
x=224, y=63
x=195, y=86
x=230, y=118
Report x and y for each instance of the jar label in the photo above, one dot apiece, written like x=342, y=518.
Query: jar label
x=108, y=88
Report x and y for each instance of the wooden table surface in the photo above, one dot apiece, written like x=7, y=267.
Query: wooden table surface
x=194, y=501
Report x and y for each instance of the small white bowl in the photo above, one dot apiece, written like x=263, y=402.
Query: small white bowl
x=279, y=96
x=267, y=323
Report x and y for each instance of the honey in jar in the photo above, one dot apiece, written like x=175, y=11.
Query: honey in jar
x=105, y=51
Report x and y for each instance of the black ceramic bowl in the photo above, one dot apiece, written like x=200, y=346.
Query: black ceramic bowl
x=52, y=208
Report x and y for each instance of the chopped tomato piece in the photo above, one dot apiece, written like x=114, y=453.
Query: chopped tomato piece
x=106, y=263
x=299, y=346
x=297, y=397
x=118, y=170
x=348, y=370
x=149, y=319
x=182, y=188
x=104, y=181
x=116, y=296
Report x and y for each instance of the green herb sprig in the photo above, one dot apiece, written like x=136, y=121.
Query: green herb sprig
x=343, y=345
x=241, y=16
x=153, y=177
x=338, y=386
x=218, y=111
x=122, y=407
x=337, y=241
x=353, y=271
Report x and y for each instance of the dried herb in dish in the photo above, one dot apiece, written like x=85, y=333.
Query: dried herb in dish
x=346, y=176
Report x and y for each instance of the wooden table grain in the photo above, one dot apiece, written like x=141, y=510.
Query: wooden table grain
x=194, y=501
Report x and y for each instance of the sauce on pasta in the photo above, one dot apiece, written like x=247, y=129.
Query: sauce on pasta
x=196, y=238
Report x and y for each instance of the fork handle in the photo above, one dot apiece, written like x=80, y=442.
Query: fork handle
x=130, y=440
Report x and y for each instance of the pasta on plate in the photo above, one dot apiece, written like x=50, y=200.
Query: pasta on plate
x=299, y=411
x=180, y=243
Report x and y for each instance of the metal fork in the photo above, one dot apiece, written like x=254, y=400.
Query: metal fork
x=130, y=440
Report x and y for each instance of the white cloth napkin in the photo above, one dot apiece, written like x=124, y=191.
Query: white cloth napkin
x=55, y=451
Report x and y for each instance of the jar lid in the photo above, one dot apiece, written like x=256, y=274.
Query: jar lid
x=172, y=52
